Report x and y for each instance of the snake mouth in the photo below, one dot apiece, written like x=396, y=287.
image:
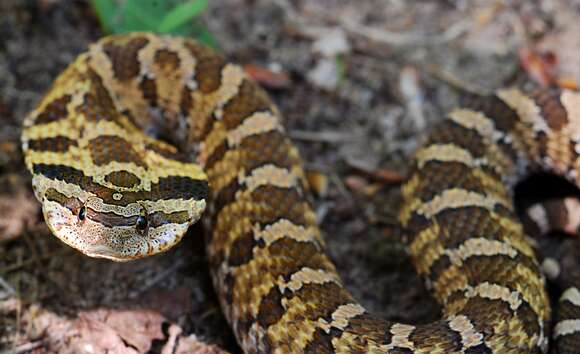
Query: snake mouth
x=101, y=251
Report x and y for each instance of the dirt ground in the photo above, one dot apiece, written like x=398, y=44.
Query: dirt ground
x=359, y=83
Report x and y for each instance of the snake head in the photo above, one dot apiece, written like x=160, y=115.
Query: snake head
x=117, y=226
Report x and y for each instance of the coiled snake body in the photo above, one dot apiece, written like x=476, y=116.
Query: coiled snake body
x=112, y=191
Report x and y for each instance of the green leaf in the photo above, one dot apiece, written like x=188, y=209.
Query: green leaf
x=105, y=10
x=204, y=36
x=177, y=17
x=341, y=68
x=180, y=14
x=137, y=18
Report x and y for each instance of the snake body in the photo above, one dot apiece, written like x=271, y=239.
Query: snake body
x=110, y=190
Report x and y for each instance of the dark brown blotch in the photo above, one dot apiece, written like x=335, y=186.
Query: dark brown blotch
x=225, y=196
x=416, y=223
x=268, y=148
x=278, y=203
x=179, y=187
x=228, y=288
x=55, y=110
x=159, y=218
x=449, y=341
x=294, y=255
x=124, y=57
x=484, y=314
x=216, y=258
x=271, y=309
x=77, y=177
x=124, y=179
x=167, y=59
x=208, y=68
x=542, y=144
x=499, y=269
x=167, y=188
x=450, y=132
x=481, y=349
x=63, y=173
x=242, y=250
x=110, y=219
x=186, y=103
x=73, y=204
x=322, y=300
x=285, y=203
x=494, y=108
x=249, y=99
x=185, y=188
x=401, y=350
x=98, y=103
x=321, y=342
x=373, y=327
x=528, y=318
x=259, y=150
x=149, y=89
x=461, y=224
x=54, y=144
x=439, y=266
x=109, y=148
x=216, y=155
x=551, y=108
x=437, y=176
x=168, y=153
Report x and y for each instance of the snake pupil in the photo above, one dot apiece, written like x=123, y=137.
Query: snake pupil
x=141, y=223
x=82, y=213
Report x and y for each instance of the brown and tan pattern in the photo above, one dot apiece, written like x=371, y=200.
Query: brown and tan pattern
x=111, y=191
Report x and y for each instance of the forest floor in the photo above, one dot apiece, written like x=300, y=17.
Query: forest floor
x=359, y=84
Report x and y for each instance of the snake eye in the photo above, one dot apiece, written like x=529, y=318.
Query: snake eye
x=141, y=223
x=82, y=213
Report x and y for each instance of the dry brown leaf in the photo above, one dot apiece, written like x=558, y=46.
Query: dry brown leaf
x=8, y=147
x=134, y=328
x=267, y=77
x=569, y=83
x=539, y=66
x=362, y=186
x=16, y=212
x=388, y=176
x=355, y=183
x=190, y=345
x=109, y=331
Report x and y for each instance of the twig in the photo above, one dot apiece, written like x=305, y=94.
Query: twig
x=325, y=136
x=156, y=279
x=391, y=38
x=9, y=289
x=401, y=39
x=30, y=261
x=454, y=81
x=23, y=348
x=342, y=188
